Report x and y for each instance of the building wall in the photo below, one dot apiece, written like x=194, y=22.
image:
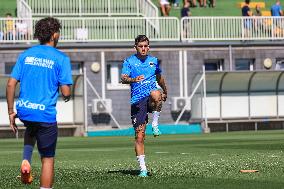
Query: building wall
x=170, y=57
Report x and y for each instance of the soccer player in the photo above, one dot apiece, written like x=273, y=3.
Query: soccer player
x=41, y=71
x=142, y=72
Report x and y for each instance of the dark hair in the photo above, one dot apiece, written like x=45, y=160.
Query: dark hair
x=141, y=38
x=45, y=28
x=8, y=14
x=247, y=1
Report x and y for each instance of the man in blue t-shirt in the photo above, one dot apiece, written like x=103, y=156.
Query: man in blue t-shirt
x=276, y=9
x=143, y=73
x=41, y=71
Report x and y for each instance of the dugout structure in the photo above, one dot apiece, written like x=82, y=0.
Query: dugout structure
x=240, y=97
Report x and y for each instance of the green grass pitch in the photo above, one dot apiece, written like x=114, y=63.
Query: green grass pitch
x=176, y=161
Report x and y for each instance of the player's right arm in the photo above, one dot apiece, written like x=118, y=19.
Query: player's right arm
x=126, y=72
x=125, y=79
x=10, y=95
x=14, y=79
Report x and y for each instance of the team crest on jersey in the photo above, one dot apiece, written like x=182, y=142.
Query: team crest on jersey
x=151, y=64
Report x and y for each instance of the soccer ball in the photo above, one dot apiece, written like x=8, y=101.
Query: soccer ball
x=267, y=63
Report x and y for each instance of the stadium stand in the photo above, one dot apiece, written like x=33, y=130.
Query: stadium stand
x=252, y=4
x=266, y=13
x=40, y=8
x=127, y=18
x=85, y=29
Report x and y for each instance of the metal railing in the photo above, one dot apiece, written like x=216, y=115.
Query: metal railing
x=92, y=8
x=147, y=8
x=102, y=29
x=232, y=28
x=16, y=30
x=95, y=29
x=23, y=9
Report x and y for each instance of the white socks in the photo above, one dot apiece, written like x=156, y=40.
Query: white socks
x=44, y=188
x=141, y=161
x=156, y=116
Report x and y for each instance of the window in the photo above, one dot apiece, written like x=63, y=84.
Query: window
x=76, y=68
x=113, y=75
x=279, y=64
x=244, y=64
x=214, y=65
x=8, y=68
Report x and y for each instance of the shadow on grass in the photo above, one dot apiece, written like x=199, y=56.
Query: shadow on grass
x=126, y=172
x=129, y=172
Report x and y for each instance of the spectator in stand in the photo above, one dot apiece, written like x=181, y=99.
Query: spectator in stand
x=246, y=12
x=22, y=30
x=192, y=3
x=212, y=3
x=185, y=12
x=202, y=3
x=9, y=32
x=165, y=7
x=257, y=11
x=258, y=23
x=276, y=9
x=176, y=3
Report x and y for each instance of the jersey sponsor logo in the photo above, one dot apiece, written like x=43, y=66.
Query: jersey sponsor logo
x=151, y=64
x=144, y=82
x=41, y=62
x=30, y=105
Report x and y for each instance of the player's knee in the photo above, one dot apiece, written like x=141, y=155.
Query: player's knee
x=140, y=140
x=140, y=137
x=156, y=96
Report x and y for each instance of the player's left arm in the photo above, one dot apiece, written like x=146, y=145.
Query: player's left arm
x=162, y=83
x=65, y=79
x=66, y=92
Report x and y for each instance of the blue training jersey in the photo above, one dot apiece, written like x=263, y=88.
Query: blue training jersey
x=40, y=70
x=275, y=10
x=133, y=67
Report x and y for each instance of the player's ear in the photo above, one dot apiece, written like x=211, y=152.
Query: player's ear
x=54, y=36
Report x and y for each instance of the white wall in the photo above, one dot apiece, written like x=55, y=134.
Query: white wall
x=65, y=113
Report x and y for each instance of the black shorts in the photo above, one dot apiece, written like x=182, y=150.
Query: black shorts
x=45, y=134
x=139, y=112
